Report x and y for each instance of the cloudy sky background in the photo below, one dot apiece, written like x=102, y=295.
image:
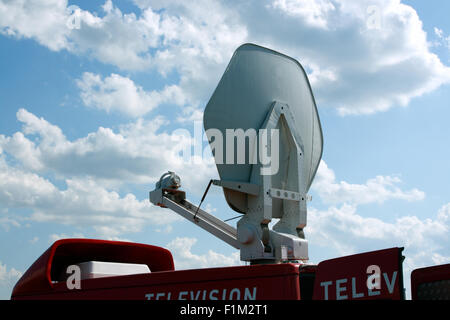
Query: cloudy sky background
x=92, y=94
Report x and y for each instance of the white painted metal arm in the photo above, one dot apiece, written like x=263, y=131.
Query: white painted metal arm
x=203, y=219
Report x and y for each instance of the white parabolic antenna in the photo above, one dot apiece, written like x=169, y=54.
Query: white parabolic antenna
x=264, y=131
x=264, y=89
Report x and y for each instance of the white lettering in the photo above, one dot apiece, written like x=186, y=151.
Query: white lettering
x=374, y=280
x=374, y=17
x=74, y=280
x=216, y=144
x=325, y=285
x=355, y=295
x=212, y=296
x=196, y=296
x=238, y=294
x=390, y=284
x=264, y=158
x=224, y=294
x=374, y=290
x=73, y=22
x=340, y=289
x=149, y=296
x=248, y=295
x=241, y=136
x=197, y=310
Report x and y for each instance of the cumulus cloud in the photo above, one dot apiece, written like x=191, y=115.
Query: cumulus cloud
x=8, y=278
x=92, y=171
x=362, y=57
x=44, y=21
x=115, y=38
x=120, y=94
x=357, y=66
x=371, y=67
x=190, y=115
x=6, y=274
x=314, y=13
x=444, y=213
x=83, y=203
x=443, y=39
x=137, y=153
x=375, y=190
x=341, y=227
x=184, y=258
x=55, y=237
x=33, y=240
x=194, y=40
x=8, y=221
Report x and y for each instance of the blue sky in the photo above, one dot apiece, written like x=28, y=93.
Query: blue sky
x=89, y=118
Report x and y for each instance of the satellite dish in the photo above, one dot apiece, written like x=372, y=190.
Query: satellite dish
x=264, y=131
x=255, y=78
x=263, y=109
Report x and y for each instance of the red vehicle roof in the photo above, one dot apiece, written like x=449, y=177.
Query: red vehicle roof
x=39, y=277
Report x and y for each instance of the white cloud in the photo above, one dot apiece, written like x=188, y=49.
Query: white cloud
x=8, y=278
x=375, y=190
x=190, y=114
x=86, y=204
x=83, y=204
x=6, y=274
x=8, y=220
x=360, y=69
x=440, y=259
x=438, y=32
x=209, y=208
x=55, y=237
x=167, y=229
x=355, y=68
x=115, y=38
x=314, y=13
x=442, y=38
x=19, y=189
x=346, y=227
x=103, y=232
x=23, y=149
x=196, y=40
x=343, y=230
x=34, y=240
x=184, y=258
x=92, y=169
x=444, y=213
x=120, y=94
x=137, y=153
x=44, y=21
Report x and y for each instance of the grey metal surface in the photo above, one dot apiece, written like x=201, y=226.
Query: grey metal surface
x=253, y=80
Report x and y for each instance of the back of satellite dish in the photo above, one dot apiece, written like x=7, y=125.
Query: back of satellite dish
x=264, y=108
x=264, y=131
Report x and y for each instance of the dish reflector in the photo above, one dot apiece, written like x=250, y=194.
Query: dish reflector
x=255, y=78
